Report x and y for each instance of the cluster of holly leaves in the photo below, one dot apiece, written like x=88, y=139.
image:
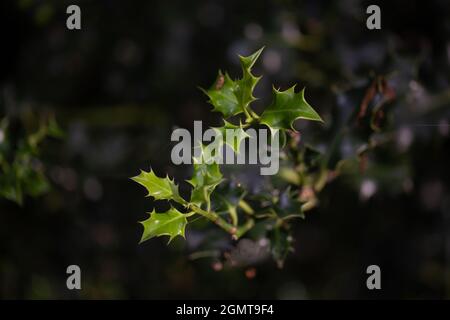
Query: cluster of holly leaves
x=221, y=201
x=21, y=169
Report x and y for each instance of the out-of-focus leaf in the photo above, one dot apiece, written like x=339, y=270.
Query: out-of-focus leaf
x=280, y=244
x=21, y=171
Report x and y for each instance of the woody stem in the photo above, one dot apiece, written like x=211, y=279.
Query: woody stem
x=214, y=217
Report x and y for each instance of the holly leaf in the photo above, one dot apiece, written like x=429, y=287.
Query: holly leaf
x=226, y=200
x=280, y=245
x=222, y=96
x=171, y=223
x=288, y=206
x=232, y=135
x=159, y=188
x=246, y=85
x=205, y=178
x=286, y=107
x=232, y=97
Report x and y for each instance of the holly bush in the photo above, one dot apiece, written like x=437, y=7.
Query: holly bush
x=266, y=214
x=21, y=169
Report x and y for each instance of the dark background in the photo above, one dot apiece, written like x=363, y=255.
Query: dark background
x=121, y=84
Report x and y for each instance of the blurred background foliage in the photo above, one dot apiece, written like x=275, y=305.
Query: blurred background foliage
x=120, y=85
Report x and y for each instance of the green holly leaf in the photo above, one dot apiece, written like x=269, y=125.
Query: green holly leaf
x=232, y=97
x=232, y=135
x=227, y=199
x=288, y=206
x=280, y=244
x=288, y=106
x=222, y=96
x=205, y=178
x=171, y=223
x=159, y=188
x=246, y=85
